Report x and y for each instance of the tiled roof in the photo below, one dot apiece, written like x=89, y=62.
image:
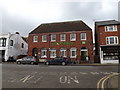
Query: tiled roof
x=61, y=27
x=109, y=22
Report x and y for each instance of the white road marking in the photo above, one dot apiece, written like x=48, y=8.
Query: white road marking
x=68, y=79
x=106, y=73
x=13, y=80
x=84, y=73
x=94, y=73
x=38, y=79
x=26, y=78
x=63, y=79
x=74, y=73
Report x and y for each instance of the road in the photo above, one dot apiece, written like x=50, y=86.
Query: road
x=53, y=76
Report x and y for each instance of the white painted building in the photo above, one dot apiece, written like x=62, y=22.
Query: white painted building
x=12, y=45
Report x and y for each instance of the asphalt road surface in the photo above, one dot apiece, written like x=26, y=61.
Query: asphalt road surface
x=53, y=76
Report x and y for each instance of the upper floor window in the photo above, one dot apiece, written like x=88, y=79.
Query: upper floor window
x=44, y=38
x=11, y=42
x=22, y=45
x=53, y=37
x=110, y=28
x=72, y=37
x=63, y=37
x=2, y=42
x=112, y=40
x=83, y=36
x=35, y=39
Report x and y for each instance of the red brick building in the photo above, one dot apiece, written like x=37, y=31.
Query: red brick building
x=107, y=41
x=67, y=39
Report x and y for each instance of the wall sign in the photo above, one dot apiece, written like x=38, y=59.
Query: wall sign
x=63, y=43
x=83, y=42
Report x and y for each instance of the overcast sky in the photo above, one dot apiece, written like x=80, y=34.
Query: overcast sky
x=25, y=15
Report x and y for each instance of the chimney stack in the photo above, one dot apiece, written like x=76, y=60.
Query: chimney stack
x=17, y=33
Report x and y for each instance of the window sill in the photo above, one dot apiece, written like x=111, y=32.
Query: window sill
x=72, y=57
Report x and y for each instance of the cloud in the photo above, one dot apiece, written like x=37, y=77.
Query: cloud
x=25, y=15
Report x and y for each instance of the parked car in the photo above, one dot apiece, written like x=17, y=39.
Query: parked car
x=27, y=60
x=11, y=59
x=58, y=61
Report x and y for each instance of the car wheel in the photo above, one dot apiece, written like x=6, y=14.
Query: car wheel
x=47, y=63
x=32, y=63
x=63, y=63
x=18, y=62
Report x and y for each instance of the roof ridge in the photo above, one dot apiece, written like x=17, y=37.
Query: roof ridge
x=63, y=22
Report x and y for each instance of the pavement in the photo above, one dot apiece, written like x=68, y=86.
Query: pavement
x=81, y=64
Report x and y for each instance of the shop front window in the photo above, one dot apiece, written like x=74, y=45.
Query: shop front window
x=110, y=56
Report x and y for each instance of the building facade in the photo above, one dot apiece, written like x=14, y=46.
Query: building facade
x=12, y=45
x=63, y=39
x=107, y=41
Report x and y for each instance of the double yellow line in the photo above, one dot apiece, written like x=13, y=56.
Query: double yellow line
x=101, y=82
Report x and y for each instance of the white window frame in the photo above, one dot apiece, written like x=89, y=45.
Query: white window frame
x=107, y=28
x=71, y=36
x=81, y=35
x=43, y=50
x=62, y=36
x=51, y=53
x=35, y=38
x=44, y=37
x=52, y=37
x=71, y=50
x=108, y=40
x=63, y=51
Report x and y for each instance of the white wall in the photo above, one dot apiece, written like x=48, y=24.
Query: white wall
x=109, y=61
x=16, y=49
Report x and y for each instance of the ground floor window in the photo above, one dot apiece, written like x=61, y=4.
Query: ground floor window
x=52, y=53
x=73, y=52
x=62, y=52
x=43, y=53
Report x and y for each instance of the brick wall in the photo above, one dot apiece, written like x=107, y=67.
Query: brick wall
x=78, y=43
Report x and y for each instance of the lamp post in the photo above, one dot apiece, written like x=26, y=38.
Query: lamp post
x=119, y=54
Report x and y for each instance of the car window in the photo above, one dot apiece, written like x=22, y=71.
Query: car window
x=24, y=58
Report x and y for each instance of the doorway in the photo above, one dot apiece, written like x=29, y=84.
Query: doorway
x=84, y=54
x=2, y=55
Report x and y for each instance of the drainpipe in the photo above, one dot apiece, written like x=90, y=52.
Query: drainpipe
x=119, y=55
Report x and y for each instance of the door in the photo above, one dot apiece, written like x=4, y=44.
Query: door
x=84, y=54
x=2, y=55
